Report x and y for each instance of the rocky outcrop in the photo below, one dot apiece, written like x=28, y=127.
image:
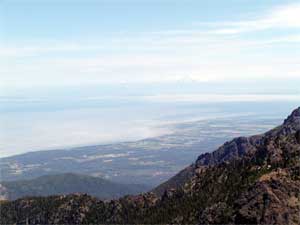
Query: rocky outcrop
x=272, y=200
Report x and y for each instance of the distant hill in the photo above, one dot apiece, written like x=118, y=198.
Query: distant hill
x=251, y=180
x=68, y=183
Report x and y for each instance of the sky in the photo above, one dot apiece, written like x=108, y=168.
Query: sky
x=50, y=44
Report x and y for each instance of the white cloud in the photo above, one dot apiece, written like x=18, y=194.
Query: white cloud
x=286, y=16
x=281, y=17
x=209, y=98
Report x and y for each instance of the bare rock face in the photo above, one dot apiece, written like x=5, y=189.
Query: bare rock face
x=275, y=200
x=234, y=149
x=252, y=180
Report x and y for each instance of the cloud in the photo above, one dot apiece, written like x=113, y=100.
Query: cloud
x=209, y=98
x=280, y=17
x=213, y=53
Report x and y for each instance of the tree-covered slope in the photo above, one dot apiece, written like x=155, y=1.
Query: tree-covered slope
x=67, y=183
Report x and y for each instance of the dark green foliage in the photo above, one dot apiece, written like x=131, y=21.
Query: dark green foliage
x=70, y=183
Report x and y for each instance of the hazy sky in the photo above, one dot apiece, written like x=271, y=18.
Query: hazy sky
x=84, y=71
x=52, y=43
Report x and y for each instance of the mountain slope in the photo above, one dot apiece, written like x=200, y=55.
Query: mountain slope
x=234, y=149
x=255, y=182
x=66, y=184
